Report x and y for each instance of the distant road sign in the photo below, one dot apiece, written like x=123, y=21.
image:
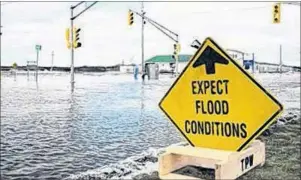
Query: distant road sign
x=38, y=47
x=216, y=104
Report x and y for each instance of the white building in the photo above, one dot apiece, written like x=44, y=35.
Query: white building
x=129, y=68
x=167, y=64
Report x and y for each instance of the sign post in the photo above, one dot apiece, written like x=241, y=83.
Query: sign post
x=38, y=48
x=217, y=105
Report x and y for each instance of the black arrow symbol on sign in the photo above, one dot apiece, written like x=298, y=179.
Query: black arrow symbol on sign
x=209, y=57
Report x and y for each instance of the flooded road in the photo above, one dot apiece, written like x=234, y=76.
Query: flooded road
x=49, y=133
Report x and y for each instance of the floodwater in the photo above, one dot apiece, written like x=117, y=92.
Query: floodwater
x=47, y=132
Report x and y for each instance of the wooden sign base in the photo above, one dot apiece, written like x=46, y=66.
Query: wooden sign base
x=227, y=164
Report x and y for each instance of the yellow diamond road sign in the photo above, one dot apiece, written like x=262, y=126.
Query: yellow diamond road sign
x=216, y=104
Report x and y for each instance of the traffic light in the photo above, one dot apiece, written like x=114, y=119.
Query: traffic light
x=130, y=18
x=67, y=36
x=276, y=13
x=177, y=49
x=76, y=43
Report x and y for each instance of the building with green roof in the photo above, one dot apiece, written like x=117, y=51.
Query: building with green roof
x=168, y=59
x=167, y=63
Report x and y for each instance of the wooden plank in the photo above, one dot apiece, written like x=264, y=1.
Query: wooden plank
x=176, y=176
x=200, y=152
x=241, y=162
x=227, y=165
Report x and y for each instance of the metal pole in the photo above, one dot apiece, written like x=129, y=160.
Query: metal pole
x=280, y=58
x=37, y=69
x=72, y=18
x=52, y=54
x=177, y=60
x=27, y=70
x=72, y=51
x=142, y=39
x=253, y=63
x=243, y=57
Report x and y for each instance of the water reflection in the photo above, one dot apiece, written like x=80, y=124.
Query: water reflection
x=142, y=98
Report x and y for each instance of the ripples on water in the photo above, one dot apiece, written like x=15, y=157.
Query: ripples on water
x=49, y=133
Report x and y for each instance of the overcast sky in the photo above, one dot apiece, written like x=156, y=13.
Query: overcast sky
x=107, y=39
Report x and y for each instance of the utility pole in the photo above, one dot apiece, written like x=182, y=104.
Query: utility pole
x=37, y=69
x=280, y=59
x=142, y=38
x=52, y=55
x=72, y=50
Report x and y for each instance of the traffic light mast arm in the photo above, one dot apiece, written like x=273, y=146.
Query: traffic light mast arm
x=176, y=40
x=73, y=7
x=150, y=20
x=156, y=24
